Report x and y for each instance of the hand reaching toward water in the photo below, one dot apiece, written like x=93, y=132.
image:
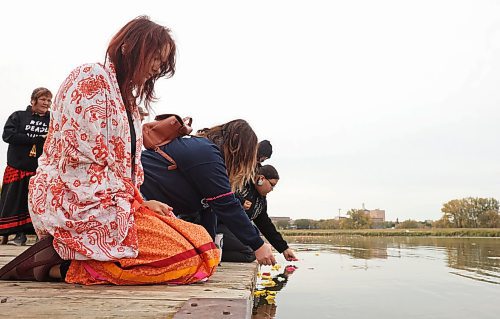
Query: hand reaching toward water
x=265, y=255
x=289, y=255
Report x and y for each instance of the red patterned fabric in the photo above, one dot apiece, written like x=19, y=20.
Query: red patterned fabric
x=13, y=175
x=84, y=186
x=14, y=213
x=10, y=222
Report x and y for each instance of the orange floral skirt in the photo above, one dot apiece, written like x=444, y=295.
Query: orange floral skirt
x=171, y=251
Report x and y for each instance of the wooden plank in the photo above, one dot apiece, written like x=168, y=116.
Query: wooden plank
x=41, y=307
x=10, y=250
x=61, y=300
x=214, y=308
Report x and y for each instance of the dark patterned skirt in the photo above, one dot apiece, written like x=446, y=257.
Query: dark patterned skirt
x=14, y=214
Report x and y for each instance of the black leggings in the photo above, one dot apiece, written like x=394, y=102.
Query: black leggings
x=64, y=267
x=233, y=250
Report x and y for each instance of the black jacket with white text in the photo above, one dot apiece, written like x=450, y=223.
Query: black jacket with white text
x=22, y=131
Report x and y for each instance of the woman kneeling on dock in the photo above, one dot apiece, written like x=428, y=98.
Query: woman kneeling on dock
x=84, y=200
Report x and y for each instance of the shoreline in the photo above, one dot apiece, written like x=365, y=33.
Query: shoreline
x=438, y=232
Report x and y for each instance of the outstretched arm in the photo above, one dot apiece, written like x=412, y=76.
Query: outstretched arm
x=212, y=182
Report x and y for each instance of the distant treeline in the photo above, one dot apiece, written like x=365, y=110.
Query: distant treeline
x=441, y=232
x=458, y=213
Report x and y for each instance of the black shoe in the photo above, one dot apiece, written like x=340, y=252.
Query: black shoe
x=19, y=240
x=4, y=240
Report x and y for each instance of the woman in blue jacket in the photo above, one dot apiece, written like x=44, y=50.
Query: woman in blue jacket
x=211, y=167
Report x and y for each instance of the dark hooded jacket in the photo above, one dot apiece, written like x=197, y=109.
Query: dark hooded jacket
x=24, y=131
x=258, y=214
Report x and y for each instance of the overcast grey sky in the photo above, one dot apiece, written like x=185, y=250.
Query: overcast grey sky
x=394, y=104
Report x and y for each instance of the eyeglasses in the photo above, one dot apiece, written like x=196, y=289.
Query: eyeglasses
x=270, y=183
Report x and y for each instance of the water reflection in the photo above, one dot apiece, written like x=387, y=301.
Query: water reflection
x=474, y=258
x=268, y=285
x=338, y=274
x=357, y=247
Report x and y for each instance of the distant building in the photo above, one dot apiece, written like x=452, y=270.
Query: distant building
x=376, y=215
x=282, y=219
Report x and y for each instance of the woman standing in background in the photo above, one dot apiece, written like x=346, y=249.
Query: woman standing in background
x=25, y=132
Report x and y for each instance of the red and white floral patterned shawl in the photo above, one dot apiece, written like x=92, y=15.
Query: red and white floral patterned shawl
x=83, y=189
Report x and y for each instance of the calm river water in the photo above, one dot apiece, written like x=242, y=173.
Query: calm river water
x=384, y=277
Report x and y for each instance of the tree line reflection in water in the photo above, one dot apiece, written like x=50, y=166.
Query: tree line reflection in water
x=474, y=258
x=329, y=276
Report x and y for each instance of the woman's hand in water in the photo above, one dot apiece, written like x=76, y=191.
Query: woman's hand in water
x=159, y=207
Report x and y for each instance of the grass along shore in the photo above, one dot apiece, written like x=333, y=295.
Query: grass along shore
x=440, y=232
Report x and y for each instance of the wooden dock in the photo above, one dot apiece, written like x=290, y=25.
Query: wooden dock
x=227, y=294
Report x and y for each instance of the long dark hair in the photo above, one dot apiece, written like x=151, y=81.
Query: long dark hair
x=131, y=49
x=238, y=143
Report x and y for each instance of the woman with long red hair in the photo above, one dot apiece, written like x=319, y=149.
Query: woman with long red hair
x=84, y=203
